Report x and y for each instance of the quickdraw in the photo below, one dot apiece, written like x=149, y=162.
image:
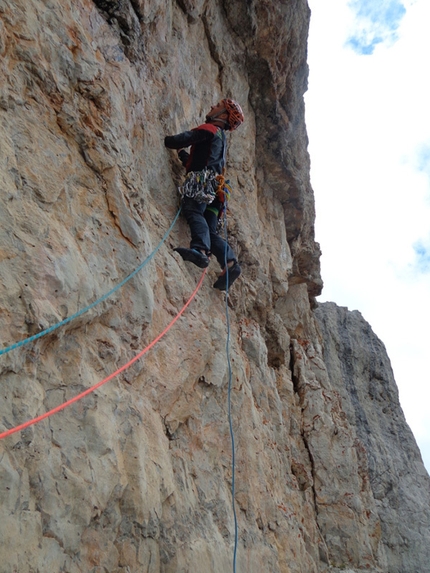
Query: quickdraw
x=200, y=186
x=223, y=191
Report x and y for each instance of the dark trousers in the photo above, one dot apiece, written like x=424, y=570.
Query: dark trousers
x=203, y=224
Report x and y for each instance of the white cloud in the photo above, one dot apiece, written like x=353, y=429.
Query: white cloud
x=369, y=131
x=421, y=158
x=375, y=23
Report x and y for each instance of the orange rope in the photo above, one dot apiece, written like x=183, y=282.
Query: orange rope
x=92, y=388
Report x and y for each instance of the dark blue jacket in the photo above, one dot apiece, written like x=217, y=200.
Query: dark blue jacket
x=208, y=147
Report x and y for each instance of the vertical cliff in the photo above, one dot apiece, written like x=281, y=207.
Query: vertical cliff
x=359, y=369
x=137, y=475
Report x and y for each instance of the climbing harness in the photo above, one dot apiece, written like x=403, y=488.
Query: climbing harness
x=200, y=186
x=203, y=186
x=96, y=302
x=108, y=378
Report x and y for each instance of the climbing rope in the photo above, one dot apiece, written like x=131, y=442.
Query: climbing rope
x=96, y=302
x=230, y=377
x=108, y=378
x=142, y=353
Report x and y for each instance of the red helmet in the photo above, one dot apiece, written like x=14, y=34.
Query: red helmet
x=235, y=113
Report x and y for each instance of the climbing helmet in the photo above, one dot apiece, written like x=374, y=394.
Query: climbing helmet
x=235, y=113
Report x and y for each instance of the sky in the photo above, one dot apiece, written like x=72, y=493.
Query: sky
x=368, y=122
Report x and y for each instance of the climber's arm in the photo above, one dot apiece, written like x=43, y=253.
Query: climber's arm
x=187, y=138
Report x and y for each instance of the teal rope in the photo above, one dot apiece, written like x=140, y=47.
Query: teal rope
x=230, y=422
x=92, y=305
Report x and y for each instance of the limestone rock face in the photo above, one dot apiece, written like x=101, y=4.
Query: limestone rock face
x=359, y=369
x=137, y=475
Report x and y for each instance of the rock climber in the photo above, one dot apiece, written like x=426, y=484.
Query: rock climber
x=204, y=164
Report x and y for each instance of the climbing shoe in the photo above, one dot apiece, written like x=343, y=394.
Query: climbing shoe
x=229, y=275
x=193, y=256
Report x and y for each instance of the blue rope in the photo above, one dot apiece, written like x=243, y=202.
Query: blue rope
x=92, y=305
x=230, y=376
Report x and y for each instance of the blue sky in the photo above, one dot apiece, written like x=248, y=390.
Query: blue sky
x=422, y=246
x=376, y=22
x=369, y=143
x=423, y=157
x=422, y=263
